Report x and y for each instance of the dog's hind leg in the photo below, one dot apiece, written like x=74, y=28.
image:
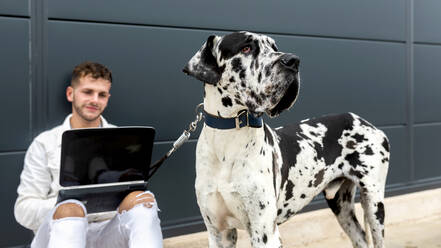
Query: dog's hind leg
x=343, y=207
x=372, y=201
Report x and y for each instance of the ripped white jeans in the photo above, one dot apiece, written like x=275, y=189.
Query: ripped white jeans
x=137, y=227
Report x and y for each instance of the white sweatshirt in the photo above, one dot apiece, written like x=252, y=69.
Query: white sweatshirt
x=39, y=180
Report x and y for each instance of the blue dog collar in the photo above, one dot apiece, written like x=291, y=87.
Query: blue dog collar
x=243, y=119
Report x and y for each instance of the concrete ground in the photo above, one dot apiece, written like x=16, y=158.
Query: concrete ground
x=412, y=221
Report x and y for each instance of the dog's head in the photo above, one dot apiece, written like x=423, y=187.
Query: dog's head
x=249, y=68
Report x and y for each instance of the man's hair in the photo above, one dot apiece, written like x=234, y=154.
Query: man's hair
x=93, y=69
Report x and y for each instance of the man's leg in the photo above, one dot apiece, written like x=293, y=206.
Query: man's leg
x=65, y=226
x=136, y=225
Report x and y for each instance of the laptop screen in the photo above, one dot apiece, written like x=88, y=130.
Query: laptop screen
x=105, y=155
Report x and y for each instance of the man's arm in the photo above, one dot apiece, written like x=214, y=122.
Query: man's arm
x=33, y=203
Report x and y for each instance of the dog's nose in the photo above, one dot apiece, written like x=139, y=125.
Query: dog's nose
x=290, y=61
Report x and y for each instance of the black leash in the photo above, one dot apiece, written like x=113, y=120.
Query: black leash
x=179, y=142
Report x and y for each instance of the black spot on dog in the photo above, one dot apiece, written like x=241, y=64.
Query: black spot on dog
x=340, y=166
x=242, y=84
x=238, y=101
x=232, y=79
x=242, y=74
x=220, y=91
x=380, y=213
x=319, y=177
x=350, y=144
x=289, y=213
x=353, y=159
x=361, y=184
x=279, y=211
x=232, y=235
x=267, y=70
x=256, y=49
x=356, y=173
x=385, y=144
x=236, y=65
x=208, y=218
x=259, y=78
x=368, y=151
x=226, y=101
x=251, y=106
x=265, y=238
x=310, y=184
x=359, y=138
x=268, y=137
x=232, y=44
x=256, y=98
x=303, y=196
x=275, y=171
x=261, y=205
x=262, y=96
x=289, y=187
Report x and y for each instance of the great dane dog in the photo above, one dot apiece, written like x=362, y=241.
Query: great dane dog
x=252, y=177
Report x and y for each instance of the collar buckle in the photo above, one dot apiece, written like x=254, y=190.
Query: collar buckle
x=239, y=121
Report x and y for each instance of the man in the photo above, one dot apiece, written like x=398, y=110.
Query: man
x=134, y=224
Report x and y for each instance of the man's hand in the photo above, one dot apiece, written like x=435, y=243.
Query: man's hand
x=135, y=198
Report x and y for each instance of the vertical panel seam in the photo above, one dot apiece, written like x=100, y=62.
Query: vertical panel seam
x=410, y=86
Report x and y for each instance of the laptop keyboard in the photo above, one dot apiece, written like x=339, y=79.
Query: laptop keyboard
x=100, y=199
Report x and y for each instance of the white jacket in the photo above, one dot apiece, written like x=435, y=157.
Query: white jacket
x=39, y=180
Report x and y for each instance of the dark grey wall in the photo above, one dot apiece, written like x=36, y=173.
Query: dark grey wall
x=379, y=59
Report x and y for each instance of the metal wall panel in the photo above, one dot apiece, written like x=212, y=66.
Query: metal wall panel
x=173, y=185
x=14, y=7
x=427, y=83
x=356, y=19
x=427, y=21
x=14, y=88
x=427, y=151
x=11, y=232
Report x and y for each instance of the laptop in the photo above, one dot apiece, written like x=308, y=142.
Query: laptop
x=100, y=166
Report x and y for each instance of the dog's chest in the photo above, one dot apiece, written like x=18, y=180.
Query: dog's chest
x=230, y=170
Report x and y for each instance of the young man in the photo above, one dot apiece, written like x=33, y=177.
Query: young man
x=134, y=224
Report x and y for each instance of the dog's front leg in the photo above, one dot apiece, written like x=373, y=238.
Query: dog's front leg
x=262, y=227
x=264, y=235
x=221, y=239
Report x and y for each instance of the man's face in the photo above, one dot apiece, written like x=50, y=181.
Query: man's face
x=89, y=97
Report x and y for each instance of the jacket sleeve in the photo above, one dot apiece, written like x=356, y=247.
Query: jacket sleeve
x=33, y=204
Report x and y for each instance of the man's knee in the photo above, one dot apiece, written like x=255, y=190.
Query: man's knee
x=69, y=210
x=135, y=198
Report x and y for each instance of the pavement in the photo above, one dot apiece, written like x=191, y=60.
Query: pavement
x=412, y=221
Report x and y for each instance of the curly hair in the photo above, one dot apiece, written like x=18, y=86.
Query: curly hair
x=93, y=69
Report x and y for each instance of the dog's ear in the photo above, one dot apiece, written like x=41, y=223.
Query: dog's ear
x=203, y=64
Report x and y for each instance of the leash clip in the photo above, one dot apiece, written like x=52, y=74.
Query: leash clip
x=237, y=118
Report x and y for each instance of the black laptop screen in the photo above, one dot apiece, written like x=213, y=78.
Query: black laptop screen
x=105, y=155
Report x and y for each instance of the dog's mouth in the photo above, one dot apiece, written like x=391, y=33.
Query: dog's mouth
x=288, y=98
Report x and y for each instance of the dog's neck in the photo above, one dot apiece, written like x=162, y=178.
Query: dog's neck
x=220, y=103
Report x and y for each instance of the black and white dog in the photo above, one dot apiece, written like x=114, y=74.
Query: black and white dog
x=252, y=177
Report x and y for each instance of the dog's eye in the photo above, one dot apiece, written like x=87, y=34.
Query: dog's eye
x=246, y=49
